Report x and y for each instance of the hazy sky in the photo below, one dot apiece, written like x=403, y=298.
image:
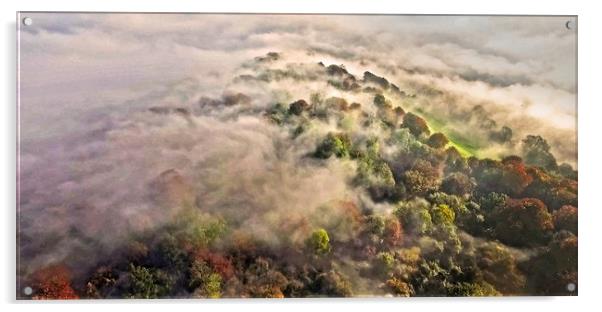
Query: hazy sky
x=72, y=63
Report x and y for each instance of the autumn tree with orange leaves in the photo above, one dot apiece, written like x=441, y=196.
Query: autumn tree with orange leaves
x=53, y=282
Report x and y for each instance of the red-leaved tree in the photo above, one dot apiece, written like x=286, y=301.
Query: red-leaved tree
x=53, y=282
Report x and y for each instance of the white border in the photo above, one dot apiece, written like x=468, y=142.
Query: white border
x=590, y=117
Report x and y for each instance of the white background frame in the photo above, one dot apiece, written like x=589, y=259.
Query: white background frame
x=589, y=124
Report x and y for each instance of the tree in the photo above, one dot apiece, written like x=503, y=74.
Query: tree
x=437, y=140
x=430, y=279
x=393, y=232
x=399, y=287
x=523, y=222
x=102, y=283
x=565, y=218
x=417, y=184
x=374, y=173
x=458, y=184
x=563, y=251
x=502, y=136
x=442, y=214
x=415, y=124
x=464, y=289
x=380, y=101
x=567, y=171
x=270, y=56
x=536, y=151
x=263, y=280
x=336, y=70
x=405, y=141
x=553, y=190
x=493, y=201
x=388, y=116
x=375, y=225
x=217, y=262
x=510, y=176
x=52, y=282
x=230, y=99
x=333, y=284
x=168, y=253
x=355, y=106
x=204, y=281
x=454, y=162
x=555, y=267
x=384, y=262
x=498, y=267
x=278, y=114
x=456, y=203
x=337, y=103
x=381, y=81
x=297, y=107
x=399, y=111
x=334, y=144
x=422, y=179
x=319, y=242
x=414, y=216
x=514, y=177
x=148, y=283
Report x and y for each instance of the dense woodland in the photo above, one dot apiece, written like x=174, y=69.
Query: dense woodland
x=457, y=225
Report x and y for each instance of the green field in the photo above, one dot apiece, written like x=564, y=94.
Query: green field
x=461, y=143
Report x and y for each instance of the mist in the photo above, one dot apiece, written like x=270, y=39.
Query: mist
x=128, y=119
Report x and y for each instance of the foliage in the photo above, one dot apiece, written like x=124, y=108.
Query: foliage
x=278, y=114
x=555, y=267
x=399, y=287
x=319, y=242
x=458, y=184
x=376, y=225
x=374, y=173
x=334, y=144
x=504, y=135
x=337, y=103
x=442, y=214
x=204, y=281
x=454, y=162
x=393, y=232
x=147, y=283
x=415, y=124
x=567, y=171
x=297, y=107
x=380, y=101
x=384, y=262
x=415, y=216
x=565, y=218
x=333, y=284
x=499, y=268
x=536, y=151
x=380, y=81
x=422, y=179
x=405, y=141
x=523, y=222
x=510, y=176
x=554, y=191
x=437, y=140
x=263, y=281
x=464, y=289
x=102, y=283
x=493, y=201
x=52, y=282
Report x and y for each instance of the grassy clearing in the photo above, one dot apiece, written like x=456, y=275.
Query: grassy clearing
x=465, y=147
